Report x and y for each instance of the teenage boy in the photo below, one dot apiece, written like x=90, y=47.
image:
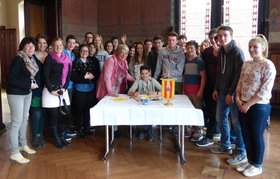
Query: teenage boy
x=171, y=61
x=182, y=39
x=210, y=59
x=70, y=45
x=148, y=86
x=230, y=61
x=194, y=82
x=89, y=37
x=153, y=54
x=148, y=44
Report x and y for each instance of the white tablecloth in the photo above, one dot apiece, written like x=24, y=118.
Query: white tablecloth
x=130, y=112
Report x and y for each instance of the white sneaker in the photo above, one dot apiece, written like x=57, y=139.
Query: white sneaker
x=242, y=167
x=27, y=149
x=19, y=158
x=252, y=171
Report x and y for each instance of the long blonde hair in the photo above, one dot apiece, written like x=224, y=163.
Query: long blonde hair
x=101, y=47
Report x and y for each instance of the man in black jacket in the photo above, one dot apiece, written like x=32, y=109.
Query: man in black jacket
x=230, y=61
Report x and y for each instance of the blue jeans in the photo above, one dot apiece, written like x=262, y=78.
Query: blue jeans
x=37, y=121
x=222, y=114
x=19, y=107
x=253, y=124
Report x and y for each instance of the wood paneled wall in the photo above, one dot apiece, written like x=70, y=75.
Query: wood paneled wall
x=137, y=19
x=274, y=16
x=274, y=48
x=79, y=17
x=275, y=58
x=274, y=21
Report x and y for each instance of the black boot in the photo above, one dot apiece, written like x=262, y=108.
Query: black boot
x=81, y=133
x=35, y=142
x=57, y=138
x=41, y=140
x=63, y=140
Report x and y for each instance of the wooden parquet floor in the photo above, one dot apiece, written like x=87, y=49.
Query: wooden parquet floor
x=132, y=159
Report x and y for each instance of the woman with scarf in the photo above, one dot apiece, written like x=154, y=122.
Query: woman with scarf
x=56, y=73
x=20, y=83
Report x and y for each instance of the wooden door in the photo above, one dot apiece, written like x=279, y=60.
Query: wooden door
x=8, y=50
x=34, y=18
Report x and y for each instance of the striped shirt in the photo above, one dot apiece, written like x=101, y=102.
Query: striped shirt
x=192, y=76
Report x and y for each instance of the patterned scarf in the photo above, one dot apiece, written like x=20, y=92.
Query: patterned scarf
x=30, y=64
x=67, y=65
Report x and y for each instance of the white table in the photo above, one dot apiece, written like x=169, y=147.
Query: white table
x=110, y=111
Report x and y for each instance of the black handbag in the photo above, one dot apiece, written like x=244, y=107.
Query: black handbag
x=64, y=109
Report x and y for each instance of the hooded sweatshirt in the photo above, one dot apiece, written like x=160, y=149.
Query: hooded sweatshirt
x=170, y=62
x=229, y=67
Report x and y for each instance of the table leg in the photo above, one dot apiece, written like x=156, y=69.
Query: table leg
x=113, y=136
x=183, y=144
x=179, y=135
x=130, y=132
x=106, y=143
x=112, y=133
x=180, y=144
x=160, y=133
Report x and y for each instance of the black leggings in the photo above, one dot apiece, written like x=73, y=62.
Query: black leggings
x=81, y=103
x=56, y=119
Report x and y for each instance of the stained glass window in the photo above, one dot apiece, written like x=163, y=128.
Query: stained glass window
x=195, y=19
x=242, y=19
x=240, y=15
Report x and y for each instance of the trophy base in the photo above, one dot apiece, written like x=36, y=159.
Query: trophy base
x=168, y=104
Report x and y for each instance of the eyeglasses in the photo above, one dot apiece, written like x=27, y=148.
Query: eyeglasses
x=84, y=51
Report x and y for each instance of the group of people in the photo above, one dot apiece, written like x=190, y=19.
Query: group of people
x=214, y=75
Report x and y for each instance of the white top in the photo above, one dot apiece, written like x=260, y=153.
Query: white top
x=124, y=110
x=256, y=78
